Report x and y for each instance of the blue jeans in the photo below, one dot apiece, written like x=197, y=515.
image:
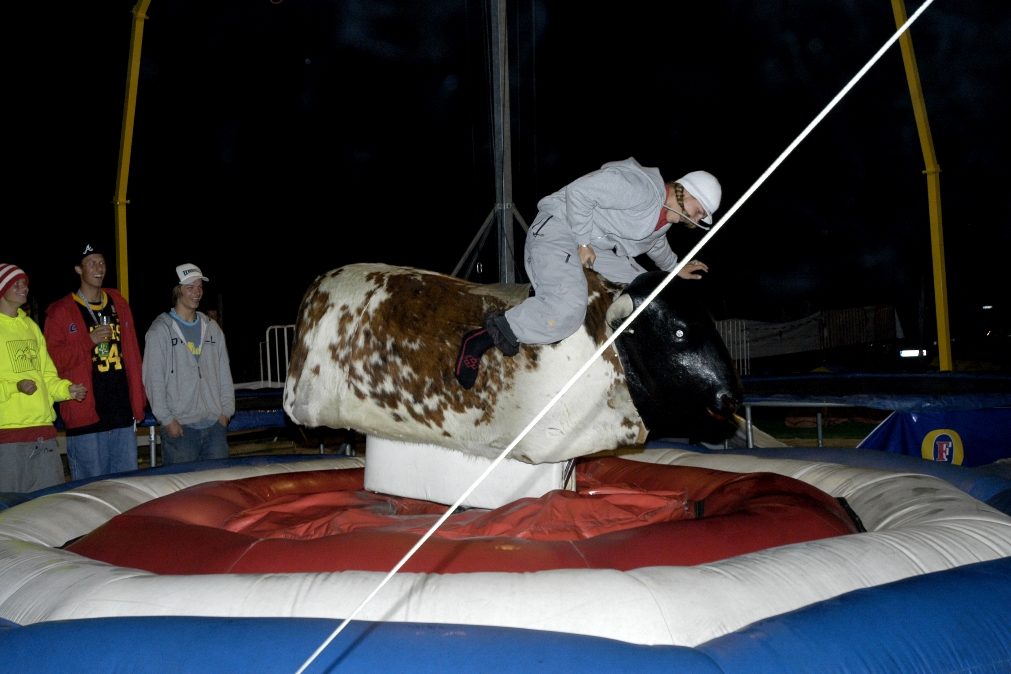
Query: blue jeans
x=195, y=444
x=102, y=453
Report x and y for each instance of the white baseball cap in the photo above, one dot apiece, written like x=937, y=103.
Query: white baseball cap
x=706, y=188
x=188, y=273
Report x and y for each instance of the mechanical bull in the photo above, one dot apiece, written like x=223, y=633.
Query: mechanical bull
x=375, y=346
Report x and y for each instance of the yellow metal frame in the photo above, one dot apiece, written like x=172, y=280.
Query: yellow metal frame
x=126, y=144
x=932, y=170
x=933, y=173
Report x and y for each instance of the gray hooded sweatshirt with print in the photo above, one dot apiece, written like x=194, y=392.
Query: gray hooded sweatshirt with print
x=180, y=386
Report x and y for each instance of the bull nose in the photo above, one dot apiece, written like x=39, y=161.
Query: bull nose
x=726, y=406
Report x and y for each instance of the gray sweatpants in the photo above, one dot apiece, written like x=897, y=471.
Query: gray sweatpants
x=28, y=466
x=558, y=306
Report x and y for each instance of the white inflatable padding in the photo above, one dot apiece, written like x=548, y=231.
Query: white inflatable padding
x=916, y=524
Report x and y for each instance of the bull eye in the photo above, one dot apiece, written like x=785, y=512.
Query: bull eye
x=679, y=334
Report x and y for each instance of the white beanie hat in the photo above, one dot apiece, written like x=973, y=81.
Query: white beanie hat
x=706, y=188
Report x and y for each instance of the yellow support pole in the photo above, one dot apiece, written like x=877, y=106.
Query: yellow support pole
x=933, y=173
x=126, y=144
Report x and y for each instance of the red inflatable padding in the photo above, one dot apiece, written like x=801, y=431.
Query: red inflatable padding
x=623, y=515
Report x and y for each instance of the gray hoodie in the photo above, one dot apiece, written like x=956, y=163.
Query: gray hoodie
x=179, y=386
x=618, y=206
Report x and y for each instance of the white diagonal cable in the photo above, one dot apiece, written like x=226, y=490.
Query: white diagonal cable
x=610, y=340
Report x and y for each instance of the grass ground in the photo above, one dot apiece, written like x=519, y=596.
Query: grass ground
x=797, y=427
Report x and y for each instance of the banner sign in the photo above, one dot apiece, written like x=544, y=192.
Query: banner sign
x=957, y=437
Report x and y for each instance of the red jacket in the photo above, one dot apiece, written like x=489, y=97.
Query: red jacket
x=70, y=347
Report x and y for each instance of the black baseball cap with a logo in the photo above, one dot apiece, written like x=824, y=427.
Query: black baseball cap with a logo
x=86, y=248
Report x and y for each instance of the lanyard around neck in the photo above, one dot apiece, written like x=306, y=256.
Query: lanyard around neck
x=87, y=304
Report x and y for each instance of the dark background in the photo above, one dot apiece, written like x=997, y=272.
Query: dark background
x=278, y=139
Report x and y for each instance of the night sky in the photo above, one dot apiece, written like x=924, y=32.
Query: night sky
x=360, y=131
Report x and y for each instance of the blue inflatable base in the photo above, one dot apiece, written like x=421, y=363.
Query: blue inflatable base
x=951, y=621
x=957, y=620
x=929, y=391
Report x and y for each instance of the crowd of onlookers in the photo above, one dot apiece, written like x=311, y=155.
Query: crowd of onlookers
x=88, y=373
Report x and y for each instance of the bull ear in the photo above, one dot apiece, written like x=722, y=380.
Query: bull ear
x=619, y=310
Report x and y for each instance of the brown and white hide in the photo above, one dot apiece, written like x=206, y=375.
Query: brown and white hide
x=375, y=347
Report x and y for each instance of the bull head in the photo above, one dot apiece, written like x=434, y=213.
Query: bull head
x=680, y=375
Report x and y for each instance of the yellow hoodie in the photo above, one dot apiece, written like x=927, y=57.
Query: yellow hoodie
x=23, y=355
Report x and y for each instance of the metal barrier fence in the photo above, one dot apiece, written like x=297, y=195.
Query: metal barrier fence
x=734, y=332
x=275, y=351
x=748, y=340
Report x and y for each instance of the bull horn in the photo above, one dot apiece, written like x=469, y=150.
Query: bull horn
x=619, y=310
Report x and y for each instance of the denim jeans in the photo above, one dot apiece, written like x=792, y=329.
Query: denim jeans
x=102, y=453
x=195, y=444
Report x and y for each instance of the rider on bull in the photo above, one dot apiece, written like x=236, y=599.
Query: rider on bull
x=601, y=220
